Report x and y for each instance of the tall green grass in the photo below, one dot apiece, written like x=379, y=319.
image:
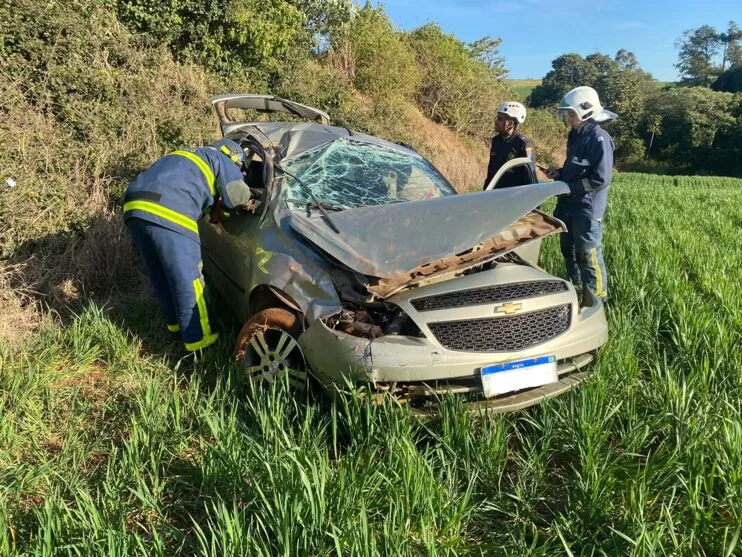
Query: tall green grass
x=106, y=448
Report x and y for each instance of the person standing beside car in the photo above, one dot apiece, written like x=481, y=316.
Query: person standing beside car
x=161, y=209
x=508, y=144
x=587, y=170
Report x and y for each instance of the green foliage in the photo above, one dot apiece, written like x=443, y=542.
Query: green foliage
x=698, y=128
x=620, y=83
x=457, y=88
x=109, y=448
x=324, y=18
x=730, y=81
x=697, y=50
x=568, y=71
x=543, y=124
x=226, y=36
x=383, y=65
x=704, y=53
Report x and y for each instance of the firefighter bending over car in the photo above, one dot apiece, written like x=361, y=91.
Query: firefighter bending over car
x=587, y=171
x=161, y=207
x=508, y=144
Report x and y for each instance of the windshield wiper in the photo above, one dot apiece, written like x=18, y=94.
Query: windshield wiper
x=316, y=201
x=322, y=203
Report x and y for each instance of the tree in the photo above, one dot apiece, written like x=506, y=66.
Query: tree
x=383, y=64
x=620, y=83
x=487, y=50
x=691, y=120
x=730, y=81
x=325, y=17
x=732, y=41
x=568, y=71
x=697, y=50
x=459, y=86
x=225, y=36
x=626, y=60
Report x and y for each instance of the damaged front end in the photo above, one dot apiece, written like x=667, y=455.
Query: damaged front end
x=387, y=332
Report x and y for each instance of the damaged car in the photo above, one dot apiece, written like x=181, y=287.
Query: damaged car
x=359, y=261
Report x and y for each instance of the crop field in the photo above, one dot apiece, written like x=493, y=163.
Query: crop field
x=111, y=443
x=523, y=87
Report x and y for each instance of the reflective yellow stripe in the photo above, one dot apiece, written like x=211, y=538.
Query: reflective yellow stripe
x=598, y=275
x=203, y=314
x=173, y=328
x=198, y=161
x=206, y=341
x=164, y=212
x=234, y=158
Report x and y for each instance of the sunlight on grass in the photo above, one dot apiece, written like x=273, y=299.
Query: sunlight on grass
x=106, y=449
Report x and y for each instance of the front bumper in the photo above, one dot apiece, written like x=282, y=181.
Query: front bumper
x=417, y=368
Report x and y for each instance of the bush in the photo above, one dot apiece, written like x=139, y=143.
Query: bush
x=256, y=36
x=730, y=81
x=375, y=56
x=457, y=88
x=630, y=149
x=549, y=136
x=700, y=128
x=84, y=108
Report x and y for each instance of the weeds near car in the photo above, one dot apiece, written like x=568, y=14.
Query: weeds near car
x=109, y=448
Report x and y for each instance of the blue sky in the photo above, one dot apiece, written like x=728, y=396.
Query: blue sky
x=534, y=32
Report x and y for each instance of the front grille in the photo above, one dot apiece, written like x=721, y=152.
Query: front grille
x=489, y=295
x=503, y=334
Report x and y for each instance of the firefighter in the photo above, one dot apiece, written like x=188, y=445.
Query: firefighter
x=161, y=207
x=509, y=144
x=587, y=171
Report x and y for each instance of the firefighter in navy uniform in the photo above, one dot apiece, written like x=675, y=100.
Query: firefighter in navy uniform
x=510, y=144
x=587, y=171
x=161, y=207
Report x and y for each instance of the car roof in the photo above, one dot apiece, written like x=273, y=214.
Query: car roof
x=294, y=138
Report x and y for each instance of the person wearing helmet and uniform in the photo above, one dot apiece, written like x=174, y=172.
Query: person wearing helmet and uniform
x=161, y=207
x=509, y=144
x=587, y=171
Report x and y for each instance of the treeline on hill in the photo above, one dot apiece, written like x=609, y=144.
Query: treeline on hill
x=93, y=91
x=694, y=127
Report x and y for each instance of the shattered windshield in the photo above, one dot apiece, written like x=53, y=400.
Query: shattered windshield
x=349, y=174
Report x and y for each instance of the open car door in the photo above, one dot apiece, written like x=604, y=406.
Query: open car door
x=223, y=104
x=530, y=252
x=513, y=163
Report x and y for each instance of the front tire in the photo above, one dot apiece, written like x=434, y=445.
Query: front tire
x=268, y=350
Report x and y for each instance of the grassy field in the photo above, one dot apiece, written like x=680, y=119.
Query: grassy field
x=112, y=444
x=523, y=86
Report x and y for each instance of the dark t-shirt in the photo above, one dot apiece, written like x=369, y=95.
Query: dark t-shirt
x=502, y=150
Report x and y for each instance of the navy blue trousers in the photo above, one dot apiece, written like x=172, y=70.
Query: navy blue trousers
x=174, y=267
x=582, y=248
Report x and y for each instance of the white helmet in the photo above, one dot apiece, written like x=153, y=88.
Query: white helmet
x=585, y=102
x=514, y=110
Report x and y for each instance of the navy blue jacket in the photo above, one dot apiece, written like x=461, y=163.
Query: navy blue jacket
x=587, y=171
x=178, y=188
x=504, y=149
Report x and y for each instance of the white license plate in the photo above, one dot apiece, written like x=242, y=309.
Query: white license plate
x=523, y=374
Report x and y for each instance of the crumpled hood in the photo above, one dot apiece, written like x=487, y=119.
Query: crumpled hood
x=386, y=241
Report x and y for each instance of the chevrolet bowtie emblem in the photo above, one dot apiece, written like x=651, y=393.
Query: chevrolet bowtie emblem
x=508, y=308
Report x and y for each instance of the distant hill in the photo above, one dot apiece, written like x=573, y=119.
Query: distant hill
x=523, y=87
